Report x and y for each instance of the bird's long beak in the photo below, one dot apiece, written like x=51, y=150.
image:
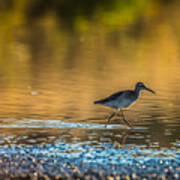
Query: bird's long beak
x=150, y=90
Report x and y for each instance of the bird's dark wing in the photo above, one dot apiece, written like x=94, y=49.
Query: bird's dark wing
x=110, y=98
x=129, y=94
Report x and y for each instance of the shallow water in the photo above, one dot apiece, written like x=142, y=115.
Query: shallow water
x=50, y=77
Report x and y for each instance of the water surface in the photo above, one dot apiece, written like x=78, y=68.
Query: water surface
x=53, y=69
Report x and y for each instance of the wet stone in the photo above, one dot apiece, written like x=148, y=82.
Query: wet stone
x=51, y=162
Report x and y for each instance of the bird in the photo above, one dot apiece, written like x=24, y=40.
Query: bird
x=123, y=99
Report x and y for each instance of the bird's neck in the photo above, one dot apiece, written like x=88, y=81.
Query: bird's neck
x=137, y=92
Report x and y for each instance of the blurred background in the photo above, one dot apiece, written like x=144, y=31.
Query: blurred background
x=57, y=57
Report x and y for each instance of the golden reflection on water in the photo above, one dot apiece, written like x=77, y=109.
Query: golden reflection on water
x=47, y=73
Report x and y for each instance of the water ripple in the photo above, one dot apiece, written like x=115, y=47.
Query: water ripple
x=35, y=123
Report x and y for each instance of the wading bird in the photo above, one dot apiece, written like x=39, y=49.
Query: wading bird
x=123, y=99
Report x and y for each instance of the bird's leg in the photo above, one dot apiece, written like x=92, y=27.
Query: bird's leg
x=111, y=116
x=125, y=120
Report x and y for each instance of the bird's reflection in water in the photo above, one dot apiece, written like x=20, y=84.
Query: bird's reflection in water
x=122, y=142
x=124, y=137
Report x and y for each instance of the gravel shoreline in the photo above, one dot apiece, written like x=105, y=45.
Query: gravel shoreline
x=54, y=162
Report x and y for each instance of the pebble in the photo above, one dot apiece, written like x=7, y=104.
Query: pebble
x=34, y=164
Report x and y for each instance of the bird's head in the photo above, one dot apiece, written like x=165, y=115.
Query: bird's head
x=140, y=86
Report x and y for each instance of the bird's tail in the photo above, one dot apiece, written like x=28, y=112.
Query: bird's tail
x=96, y=102
x=99, y=101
